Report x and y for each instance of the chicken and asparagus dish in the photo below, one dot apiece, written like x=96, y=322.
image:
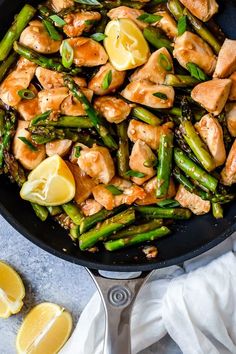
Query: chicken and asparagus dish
x=118, y=118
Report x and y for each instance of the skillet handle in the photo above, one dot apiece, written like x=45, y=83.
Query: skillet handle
x=118, y=297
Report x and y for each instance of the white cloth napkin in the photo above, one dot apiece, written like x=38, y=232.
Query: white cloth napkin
x=196, y=305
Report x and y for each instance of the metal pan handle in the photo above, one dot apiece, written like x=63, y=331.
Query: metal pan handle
x=118, y=297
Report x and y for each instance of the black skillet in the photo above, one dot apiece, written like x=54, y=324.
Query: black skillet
x=189, y=239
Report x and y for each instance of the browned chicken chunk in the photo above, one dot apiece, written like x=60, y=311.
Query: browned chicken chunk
x=230, y=109
x=150, y=188
x=52, y=99
x=202, y=9
x=59, y=5
x=97, y=82
x=232, y=95
x=72, y=107
x=115, y=110
x=149, y=94
x=35, y=36
x=127, y=12
x=58, y=147
x=192, y=201
x=228, y=175
x=226, y=62
x=91, y=207
x=167, y=24
x=212, y=95
x=28, y=109
x=191, y=48
x=79, y=22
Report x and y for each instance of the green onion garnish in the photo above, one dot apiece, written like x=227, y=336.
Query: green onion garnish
x=182, y=25
x=51, y=30
x=149, y=18
x=133, y=173
x=168, y=203
x=26, y=94
x=77, y=151
x=196, y=72
x=113, y=189
x=58, y=20
x=107, y=80
x=160, y=95
x=98, y=37
x=67, y=54
x=88, y=2
x=164, y=62
x=40, y=117
x=31, y=146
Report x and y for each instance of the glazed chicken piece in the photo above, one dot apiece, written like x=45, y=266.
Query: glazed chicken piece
x=192, y=201
x=141, y=153
x=28, y=158
x=150, y=188
x=228, y=174
x=211, y=132
x=52, y=79
x=167, y=24
x=58, y=147
x=59, y=5
x=143, y=92
x=97, y=163
x=127, y=12
x=150, y=135
x=117, y=79
x=115, y=110
x=72, y=107
x=202, y=9
x=36, y=37
x=212, y=95
x=157, y=67
x=87, y=52
x=232, y=95
x=17, y=80
x=230, y=110
x=226, y=62
x=90, y=207
x=52, y=99
x=79, y=22
x=28, y=109
x=191, y=48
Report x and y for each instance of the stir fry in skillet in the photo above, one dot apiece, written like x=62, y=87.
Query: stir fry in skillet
x=118, y=118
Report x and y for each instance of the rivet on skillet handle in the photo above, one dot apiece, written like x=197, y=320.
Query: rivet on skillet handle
x=118, y=297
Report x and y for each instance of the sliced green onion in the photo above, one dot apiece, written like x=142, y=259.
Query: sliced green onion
x=98, y=37
x=133, y=173
x=26, y=94
x=150, y=163
x=88, y=2
x=196, y=72
x=114, y=190
x=31, y=146
x=67, y=54
x=107, y=80
x=40, y=118
x=182, y=25
x=168, y=203
x=77, y=151
x=160, y=95
x=90, y=22
x=149, y=18
x=58, y=20
x=164, y=62
x=51, y=30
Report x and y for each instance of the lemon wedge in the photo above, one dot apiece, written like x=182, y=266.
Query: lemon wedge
x=12, y=291
x=44, y=330
x=50, y=183
x=125, y=44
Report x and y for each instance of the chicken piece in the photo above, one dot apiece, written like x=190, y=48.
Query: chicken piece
x=211, y=132
x=230, y=110
x=232, y=95
x=91, y=207
x=140, y=154
x=17, y=80
x=202, y=9
x=87, y=52
x=127, y=12
x=83, y=183
x=191, y=48
x=143, y=92
x=79, y=22
x=59, y=5
x=28, y=109
x=36, y=37
x=118, y=78
x=97, y=162
x=115, y=110
x=147, y=133
x=52, y=79
x=58, y=147
x=228, y=174
x=150, y=188
x=52, y=99
x=167, y=24
x=72, y=107
x=212, y=95
x=192, y=201
x=28, y=158
x=157, y=67
x=226, y=62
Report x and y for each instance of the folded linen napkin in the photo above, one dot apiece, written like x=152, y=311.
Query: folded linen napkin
x=195, y=304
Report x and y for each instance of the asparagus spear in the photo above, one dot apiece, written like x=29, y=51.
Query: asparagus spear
x=2, y=122
x=217, y=211
x=40, y=211
x=64, y=122
x=88, y=222
x=15, y=171
x=43, y=135
x=54, y=210
x=194, y=171
x=146, y=116
x=165, y=154
x=6, y=64
x=74, y=232
x=137, y=229
x=14, y=32
x=114, y=245
x=107, y=228
x=176, y=8
x=180, y=80
x=154, y=36
x=183, y=145
x=115, y=3
x=164, y=213
x=91, y=112
x=44, y=62
x=123, y=150
x=8, y=132
x=73, y=212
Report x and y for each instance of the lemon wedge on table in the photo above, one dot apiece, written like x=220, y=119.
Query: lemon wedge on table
x=44, y=330
x=50, y=183
x=12, y=291
x=125, y=44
